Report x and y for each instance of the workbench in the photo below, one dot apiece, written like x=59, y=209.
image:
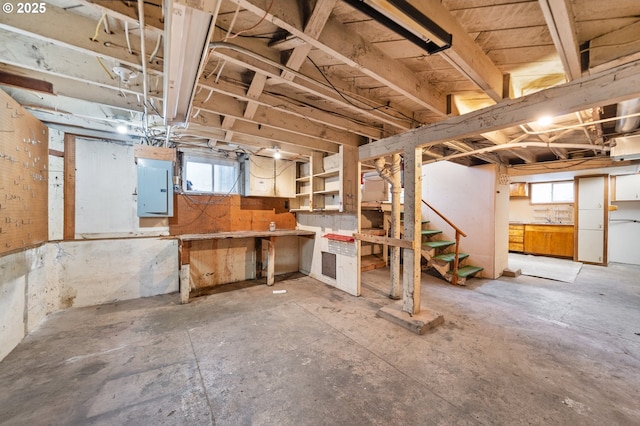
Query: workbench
x=265, y=238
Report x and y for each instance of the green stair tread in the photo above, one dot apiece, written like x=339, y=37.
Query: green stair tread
x=430, y=232
x=465, y=271
x=449, y=257
x=438, y=243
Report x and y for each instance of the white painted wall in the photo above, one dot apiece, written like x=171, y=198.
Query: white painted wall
x=469, y=197
x=346, y=255
x=624, y=234
x=106, y=193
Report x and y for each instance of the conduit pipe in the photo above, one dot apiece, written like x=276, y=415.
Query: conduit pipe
x=145, y=90
x=521, y=145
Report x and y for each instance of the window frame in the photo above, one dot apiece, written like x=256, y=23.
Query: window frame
x=551, y=190
x=213, y=161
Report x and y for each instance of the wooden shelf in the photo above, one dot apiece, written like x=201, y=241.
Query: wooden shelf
x=303, y=179
x=328, y=173
x=327, y=192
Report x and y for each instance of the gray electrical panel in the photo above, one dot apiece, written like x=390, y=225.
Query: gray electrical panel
x=155, y=188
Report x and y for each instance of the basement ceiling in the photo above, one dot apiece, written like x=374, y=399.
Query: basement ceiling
x=312, y=75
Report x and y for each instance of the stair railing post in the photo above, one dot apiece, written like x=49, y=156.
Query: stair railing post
x=454, y=279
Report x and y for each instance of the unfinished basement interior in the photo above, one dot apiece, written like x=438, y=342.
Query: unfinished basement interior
x=278, y=212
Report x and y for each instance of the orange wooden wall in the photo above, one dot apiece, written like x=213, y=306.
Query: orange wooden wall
x=204, y=214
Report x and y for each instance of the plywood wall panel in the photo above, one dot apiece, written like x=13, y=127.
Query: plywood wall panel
x=205, y=214
x=23, y=177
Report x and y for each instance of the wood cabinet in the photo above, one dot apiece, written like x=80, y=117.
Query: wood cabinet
x=519, y=189
x=516, y=237
x=627, y=188
x=550, y=240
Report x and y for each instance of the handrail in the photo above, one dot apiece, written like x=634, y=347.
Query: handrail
x=454, y=278
x=445, y=219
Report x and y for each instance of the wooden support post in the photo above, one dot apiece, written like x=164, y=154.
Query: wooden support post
x=185, y=284
x=184, y=273
x=396, y=189
x=268, y=246
x=69, y=190
x=412, y=224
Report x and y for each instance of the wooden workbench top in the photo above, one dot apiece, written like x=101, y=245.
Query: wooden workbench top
x=246, y=234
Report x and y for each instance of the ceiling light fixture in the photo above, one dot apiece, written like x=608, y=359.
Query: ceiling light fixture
x=401, y=17
x=187, y=37
x=125, y=73
x=277, y=155
x=545, y=120
x=122, y=129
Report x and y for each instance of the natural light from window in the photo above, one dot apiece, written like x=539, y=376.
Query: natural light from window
x=213, y=175
x=552, y=192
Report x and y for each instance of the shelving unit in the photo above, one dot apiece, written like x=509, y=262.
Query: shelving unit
x=326, y=178
x=321, y=185
x=303, y=186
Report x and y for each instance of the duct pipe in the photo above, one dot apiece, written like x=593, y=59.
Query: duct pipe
x=625, y=109
x=392, y=176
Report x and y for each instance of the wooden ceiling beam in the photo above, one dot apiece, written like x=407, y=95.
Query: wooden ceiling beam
x=246, y=141
x=561, y=23
x=314, y=89
x=230, y=107
x=128, y=12
x=608, y=87
x=58, y=61
x=277, y=136
x=350, y=48
x=464, y=54
x=297, y=109
x=53, y=26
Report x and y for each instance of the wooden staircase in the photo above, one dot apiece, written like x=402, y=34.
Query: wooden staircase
x=444, y=256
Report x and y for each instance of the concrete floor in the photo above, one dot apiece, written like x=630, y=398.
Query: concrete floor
x=512, y=351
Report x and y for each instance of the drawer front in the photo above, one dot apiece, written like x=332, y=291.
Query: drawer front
x=516, y=246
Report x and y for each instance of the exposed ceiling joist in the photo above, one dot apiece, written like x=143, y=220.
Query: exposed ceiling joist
x=351, y=49
x=227, y=106
x=561, y=23
x=46, y=27
x=607, y=87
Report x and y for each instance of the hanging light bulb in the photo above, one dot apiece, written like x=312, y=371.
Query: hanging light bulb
x=277, y=154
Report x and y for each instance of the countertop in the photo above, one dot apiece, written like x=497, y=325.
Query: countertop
x=543, y=223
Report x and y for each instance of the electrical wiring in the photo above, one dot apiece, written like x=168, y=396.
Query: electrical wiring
x=255, y=25
x=369, y=108
x=95, y=36
x=393, y=119
x=104, y=68
x=156, y=50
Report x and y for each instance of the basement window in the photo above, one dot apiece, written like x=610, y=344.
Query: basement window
x=210, y=175
x=552, y=192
